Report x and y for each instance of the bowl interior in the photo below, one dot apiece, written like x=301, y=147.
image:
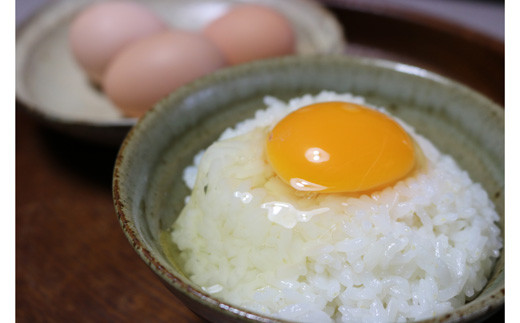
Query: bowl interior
x=148, y=186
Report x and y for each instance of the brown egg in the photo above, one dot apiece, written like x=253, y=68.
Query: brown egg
x=249, y=32
x=149, y=69
x=101, y=30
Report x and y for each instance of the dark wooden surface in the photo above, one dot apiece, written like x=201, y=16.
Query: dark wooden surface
x=73, y=263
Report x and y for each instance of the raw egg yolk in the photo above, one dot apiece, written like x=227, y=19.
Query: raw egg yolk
x=339, y=147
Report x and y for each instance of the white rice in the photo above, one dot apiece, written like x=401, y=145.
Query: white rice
x=409, y=252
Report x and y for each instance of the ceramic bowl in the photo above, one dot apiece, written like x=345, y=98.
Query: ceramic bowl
x=45, y=65
x=149, y=192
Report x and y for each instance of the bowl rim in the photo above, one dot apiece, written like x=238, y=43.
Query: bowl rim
x=479, y=309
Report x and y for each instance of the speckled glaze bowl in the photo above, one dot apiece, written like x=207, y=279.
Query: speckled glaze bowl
x=149, y=192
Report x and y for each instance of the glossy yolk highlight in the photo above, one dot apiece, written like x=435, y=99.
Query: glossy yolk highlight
x=339, y=147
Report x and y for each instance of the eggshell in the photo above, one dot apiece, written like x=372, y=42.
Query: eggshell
x=151, y=68
x=101, y=30
x=249, y=32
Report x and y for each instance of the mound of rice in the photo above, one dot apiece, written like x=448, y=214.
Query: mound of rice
x=408, y=252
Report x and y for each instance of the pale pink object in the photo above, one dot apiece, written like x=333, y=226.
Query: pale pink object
x=151, y=68
x=101, y=30
x=250, y=32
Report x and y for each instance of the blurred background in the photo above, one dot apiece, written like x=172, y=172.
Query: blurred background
x=485, y=16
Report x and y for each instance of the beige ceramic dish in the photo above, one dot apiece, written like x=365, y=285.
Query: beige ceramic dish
x=149, y=192
x=45, y=66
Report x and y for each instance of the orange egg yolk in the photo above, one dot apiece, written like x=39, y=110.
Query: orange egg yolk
x=339, y=147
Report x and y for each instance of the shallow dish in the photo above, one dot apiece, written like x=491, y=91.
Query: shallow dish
x=45, y=66
x=149, y=192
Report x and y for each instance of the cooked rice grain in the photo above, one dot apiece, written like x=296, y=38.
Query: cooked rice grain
x=408, y=252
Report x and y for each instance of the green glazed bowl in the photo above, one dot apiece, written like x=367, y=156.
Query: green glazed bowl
x=149, y=192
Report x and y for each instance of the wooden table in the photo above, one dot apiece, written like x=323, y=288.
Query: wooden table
x=73, y=263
